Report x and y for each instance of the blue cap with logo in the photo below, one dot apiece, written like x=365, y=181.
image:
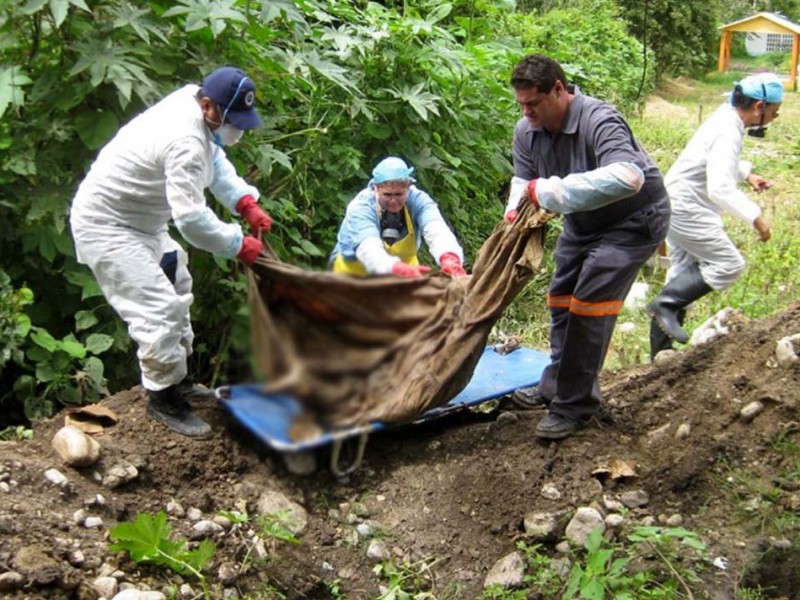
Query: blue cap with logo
x=235, y=94
x=764, y=86
x=391, y=168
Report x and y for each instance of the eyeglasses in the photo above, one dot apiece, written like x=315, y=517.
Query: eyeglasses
x=393, y=194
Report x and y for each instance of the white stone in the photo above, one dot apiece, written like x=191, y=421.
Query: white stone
x=550, y=492
x=786, y=351
x=75, y=447
x=665, y=358
x=56, y=477
x=582, y=524
x=751, y=411
x=675, y=520
x=93, y=522
x=506, y=572
x=684, y=431
x=612, y=504
x=207, y=529
x=175, y=509
x=540, y=526
x=273, y=503
x=378, y=551
x=106, y=586
x=614, y=521
x=133, y=594
x=119, y=474
x=714, y=327
x=634, y=499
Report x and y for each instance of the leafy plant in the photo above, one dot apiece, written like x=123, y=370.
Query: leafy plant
x=408, y=581
x=147, y=540
x=18, y=433
x=278, y=526
x=599, y=572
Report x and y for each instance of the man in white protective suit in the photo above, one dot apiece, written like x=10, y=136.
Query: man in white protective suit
x=702, y=186
x=157, y=168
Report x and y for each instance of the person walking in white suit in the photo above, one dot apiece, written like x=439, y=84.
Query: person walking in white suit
x=702, y=186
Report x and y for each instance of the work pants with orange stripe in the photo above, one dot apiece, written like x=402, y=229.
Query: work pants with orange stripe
x=594, y=273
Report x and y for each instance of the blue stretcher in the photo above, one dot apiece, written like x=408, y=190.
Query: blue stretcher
x=270, y=417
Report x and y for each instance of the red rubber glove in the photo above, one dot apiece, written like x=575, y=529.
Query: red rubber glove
x=451, y=265
x=512, y=215
x=257, y=218
x=402, y=269
x=532, y=193
x=251, y=249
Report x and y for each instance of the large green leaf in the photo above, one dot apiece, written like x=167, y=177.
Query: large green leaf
x=214, y=14
x=12, y=79
x=43, y=339
x=96, y=127
x=60, y=8
x=73, y=348
x=86, y=281
x=85, y=319
x=97, y=343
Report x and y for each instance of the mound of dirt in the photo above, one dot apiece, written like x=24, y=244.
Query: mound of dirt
x=446, y=499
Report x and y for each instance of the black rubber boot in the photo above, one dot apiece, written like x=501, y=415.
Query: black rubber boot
x=679, y=293
x=168, y=407
x=658, y=339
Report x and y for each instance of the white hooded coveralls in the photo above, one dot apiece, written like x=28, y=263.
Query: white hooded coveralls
x=702, y=185
x=155, y=169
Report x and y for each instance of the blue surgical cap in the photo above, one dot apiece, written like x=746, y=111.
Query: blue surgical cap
x=764, y=86
x=391, y=169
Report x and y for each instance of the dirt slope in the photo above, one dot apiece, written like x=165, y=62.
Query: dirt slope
x=453, y=492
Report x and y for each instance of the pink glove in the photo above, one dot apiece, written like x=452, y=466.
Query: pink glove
x=257, y=218
x=402, y=269
x=251, y=249
x=451, y=265
x=512, y=215
x=532, y=193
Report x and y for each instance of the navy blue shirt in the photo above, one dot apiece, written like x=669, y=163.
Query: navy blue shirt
x=594, y=135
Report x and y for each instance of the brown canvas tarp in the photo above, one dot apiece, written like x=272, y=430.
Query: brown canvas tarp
x=356, y=350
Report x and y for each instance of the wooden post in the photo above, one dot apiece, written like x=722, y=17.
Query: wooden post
x=793, y=71
x=724, y=51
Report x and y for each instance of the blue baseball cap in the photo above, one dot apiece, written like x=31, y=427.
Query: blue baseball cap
x=235, y=94
x=391, y=168
x=764, y=86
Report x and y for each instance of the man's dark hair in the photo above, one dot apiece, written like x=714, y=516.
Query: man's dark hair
x=741, y=100
x=539, y=71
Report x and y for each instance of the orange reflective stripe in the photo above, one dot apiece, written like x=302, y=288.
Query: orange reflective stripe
x=558, y=301
x=595, y=309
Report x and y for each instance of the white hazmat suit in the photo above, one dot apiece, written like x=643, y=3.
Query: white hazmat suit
x=702, y=186
x=155, y=169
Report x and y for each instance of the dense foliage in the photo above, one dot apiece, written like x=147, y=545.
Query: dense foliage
x=340, y=85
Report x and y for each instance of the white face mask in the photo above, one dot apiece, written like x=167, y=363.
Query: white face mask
x=227, y=135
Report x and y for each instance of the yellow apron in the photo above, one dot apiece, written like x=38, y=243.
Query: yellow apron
x=405, y=249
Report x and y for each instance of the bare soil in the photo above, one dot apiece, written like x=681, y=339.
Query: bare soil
x=454, y=491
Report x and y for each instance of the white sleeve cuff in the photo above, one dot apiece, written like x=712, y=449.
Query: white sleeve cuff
x=374, y=256
x=515, y=193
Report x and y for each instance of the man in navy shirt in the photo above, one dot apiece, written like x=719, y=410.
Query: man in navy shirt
x=575, y=155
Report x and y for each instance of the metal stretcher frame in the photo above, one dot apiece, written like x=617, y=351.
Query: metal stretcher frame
x=269, y=417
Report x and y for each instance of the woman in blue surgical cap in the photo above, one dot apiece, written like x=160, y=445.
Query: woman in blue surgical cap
x=385, y=224
x=702, y=186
